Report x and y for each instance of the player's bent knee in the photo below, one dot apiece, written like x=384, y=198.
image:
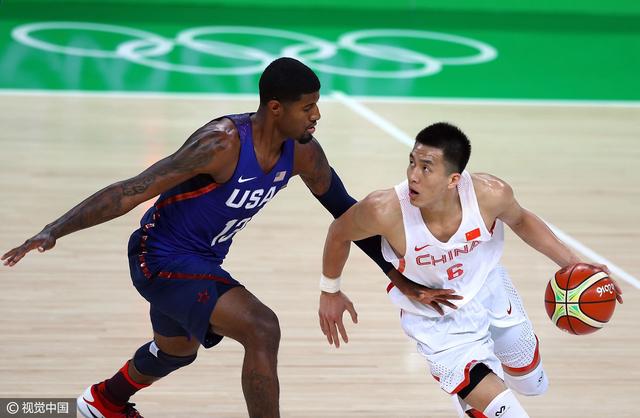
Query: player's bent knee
x=505, y=405
x=150, y=361
x=533, y=383
x=266, y=330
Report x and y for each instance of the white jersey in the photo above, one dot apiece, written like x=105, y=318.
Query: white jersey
x=462, y=263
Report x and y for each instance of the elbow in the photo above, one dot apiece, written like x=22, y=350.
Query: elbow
x=334, y=231
x=337, y=234
x=522, y=222
x=517, y=227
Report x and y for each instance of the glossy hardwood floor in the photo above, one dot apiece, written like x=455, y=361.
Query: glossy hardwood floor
x=70, y=317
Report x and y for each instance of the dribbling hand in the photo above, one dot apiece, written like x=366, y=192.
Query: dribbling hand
x=43, y=241
x=332, y=306
x=616, y=286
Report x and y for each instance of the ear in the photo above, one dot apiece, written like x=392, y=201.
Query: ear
x=454, y=179
x=275, y=107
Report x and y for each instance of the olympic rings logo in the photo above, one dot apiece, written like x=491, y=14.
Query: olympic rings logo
x=149, y=49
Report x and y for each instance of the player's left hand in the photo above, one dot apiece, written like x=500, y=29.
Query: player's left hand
x=42, y=241
x=432, y=298
x=332, y=307
x=616, y=286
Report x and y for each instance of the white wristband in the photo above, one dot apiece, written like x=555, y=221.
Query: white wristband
x=329, y=285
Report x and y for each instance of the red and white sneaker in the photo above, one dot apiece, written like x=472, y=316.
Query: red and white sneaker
x=92, y=405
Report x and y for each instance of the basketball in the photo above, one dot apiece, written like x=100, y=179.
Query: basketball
x=580, y=299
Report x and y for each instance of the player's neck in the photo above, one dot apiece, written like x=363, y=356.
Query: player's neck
x=443, y=209
x=267, y=139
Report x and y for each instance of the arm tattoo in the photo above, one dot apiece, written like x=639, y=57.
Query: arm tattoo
x=322, y=173
x=137, y=185
x=318, y=177
x=96, y=209
x=110, y=202
x=195, y=154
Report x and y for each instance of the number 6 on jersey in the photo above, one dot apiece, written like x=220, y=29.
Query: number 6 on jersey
x=455, y=271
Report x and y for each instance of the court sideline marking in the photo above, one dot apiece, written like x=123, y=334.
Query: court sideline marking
x=329, y=98
x=405, y=139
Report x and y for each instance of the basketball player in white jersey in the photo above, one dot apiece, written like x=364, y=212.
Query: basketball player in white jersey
x=443, y=228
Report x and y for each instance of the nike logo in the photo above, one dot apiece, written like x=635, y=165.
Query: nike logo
x=421, y=248
x=241, y=180
x=509, y=310
x=89, y=404
x=91, y=412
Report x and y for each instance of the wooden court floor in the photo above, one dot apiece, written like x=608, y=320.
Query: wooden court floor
x=70, y=317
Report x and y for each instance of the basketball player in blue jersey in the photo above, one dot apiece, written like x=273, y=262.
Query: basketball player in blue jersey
x=209, y=190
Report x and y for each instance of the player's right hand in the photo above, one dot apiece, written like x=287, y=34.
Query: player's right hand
x=616, y=286
x=332, y=306
x=43, y=241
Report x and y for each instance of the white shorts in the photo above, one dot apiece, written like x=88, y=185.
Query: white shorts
x=492, y=328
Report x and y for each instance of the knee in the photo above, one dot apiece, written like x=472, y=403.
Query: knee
x=265, y=331
x=150, y=361
x=534, y=383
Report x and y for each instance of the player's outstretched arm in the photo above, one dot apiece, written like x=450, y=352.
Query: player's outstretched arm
x=362, y=220
x=529, y=227
x=200, y=154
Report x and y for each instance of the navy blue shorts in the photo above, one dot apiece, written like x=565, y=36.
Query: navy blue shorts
x=182, y=292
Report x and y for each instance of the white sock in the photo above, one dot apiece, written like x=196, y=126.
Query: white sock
x=505, y=405
x=531, y=384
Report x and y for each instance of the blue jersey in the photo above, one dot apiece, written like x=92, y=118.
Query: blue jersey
x=200, y=217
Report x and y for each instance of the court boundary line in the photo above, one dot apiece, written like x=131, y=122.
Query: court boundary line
x=405, y=139
x=327, y=97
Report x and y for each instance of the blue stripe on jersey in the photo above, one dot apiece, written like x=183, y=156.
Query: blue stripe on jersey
x=201, y=217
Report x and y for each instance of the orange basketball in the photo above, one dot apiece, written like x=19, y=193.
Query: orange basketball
x=580, y=299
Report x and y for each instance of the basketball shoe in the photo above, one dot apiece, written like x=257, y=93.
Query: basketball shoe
x=91, y=404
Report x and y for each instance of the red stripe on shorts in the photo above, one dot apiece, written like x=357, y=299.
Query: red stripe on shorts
x=192, y=276
x=466, y=380
x=402, y=264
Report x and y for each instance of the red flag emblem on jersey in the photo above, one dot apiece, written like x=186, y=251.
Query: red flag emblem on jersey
x=473, y=234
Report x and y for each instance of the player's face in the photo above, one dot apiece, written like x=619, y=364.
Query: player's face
x=429, y=175
x=300, y=117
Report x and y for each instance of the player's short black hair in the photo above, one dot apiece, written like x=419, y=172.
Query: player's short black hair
x=454, y=144
x=286, y=80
